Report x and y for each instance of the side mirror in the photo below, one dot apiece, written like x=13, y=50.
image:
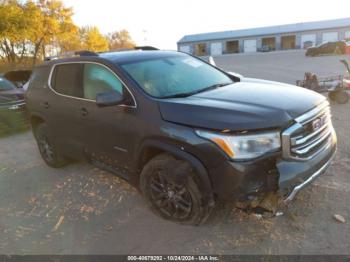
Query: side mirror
x=109, y=99
x=211, y=61
x=234, y=75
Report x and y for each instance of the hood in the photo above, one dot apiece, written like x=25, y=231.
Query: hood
x=246, y=105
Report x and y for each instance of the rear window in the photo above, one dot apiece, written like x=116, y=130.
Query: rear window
x=66, y=79
x=39, y=78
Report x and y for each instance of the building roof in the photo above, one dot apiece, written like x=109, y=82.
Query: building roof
x=269, y=30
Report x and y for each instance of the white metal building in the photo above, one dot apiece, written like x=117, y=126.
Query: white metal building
x=282, y=37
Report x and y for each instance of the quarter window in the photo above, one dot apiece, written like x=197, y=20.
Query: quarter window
x=98, y=79
x=67, y=79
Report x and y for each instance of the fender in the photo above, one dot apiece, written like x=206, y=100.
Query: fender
x=179, y=152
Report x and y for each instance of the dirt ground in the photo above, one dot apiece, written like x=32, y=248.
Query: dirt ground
x=82, y=210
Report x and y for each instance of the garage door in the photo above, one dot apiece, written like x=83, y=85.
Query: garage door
x=347, y=34
x=329, y=37
x=216, y=49
x=249, y=46
x=308, y=38
x=185, y=48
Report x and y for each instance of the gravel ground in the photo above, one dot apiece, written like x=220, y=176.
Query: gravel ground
x=82, y=210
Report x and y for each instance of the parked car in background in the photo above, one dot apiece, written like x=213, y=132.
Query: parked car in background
x=12, y=107
x=308, y=44
x=338, y=47
x=265, y=48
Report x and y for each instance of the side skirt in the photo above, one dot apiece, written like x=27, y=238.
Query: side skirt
x=122, y=173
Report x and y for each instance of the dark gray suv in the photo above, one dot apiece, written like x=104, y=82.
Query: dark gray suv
x=184, y=132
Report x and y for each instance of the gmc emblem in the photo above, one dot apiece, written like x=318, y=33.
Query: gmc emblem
x=319, y=122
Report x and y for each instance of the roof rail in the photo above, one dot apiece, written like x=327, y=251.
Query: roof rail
x=72, y=54
x=145, y=48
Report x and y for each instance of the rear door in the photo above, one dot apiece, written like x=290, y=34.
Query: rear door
x=64, y=107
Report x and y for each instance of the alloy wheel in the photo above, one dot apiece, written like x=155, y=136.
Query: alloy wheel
x=46, y=149
x=172, y=199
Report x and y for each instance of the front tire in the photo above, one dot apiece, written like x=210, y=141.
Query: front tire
x=47, y=148
x=171, y=191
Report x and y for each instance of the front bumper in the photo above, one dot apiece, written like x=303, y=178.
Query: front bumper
x=295, y=175
x=242, y=180
x=319, y=172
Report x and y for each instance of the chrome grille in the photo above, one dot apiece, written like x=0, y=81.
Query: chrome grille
x=311, y=133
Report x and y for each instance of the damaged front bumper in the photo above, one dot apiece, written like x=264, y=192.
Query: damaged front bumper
x=319, y=172
x=254, y=179
x=295, y=175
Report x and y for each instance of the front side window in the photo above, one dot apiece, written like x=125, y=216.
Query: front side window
x=98, y=79
x=176, y=75
x=67, y=79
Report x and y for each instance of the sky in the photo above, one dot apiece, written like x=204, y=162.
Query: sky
x=161, y=23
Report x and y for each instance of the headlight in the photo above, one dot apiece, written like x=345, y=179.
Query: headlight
x=244, y=146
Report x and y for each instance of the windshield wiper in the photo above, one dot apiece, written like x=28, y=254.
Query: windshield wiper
x=179, y=95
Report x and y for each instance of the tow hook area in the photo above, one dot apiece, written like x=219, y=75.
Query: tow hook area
x=269, y=205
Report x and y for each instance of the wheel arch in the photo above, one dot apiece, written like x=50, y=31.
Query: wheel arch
x=151, y=148
x=36, y=120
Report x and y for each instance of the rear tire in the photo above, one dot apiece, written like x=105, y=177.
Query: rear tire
x=171, y=191
x=47, y=148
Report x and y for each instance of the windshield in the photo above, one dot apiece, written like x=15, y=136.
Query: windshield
x=173, y=76
x=6, y=85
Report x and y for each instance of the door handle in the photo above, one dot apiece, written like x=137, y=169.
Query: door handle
x=46, y=105
x=84, y=111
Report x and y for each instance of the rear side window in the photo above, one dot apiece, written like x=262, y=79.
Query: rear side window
x=66, y=79
x=39, y=77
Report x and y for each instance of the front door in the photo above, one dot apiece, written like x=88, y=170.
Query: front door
x=107, y=131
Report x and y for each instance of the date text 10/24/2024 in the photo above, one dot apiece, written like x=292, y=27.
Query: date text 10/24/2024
x=174, y=258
